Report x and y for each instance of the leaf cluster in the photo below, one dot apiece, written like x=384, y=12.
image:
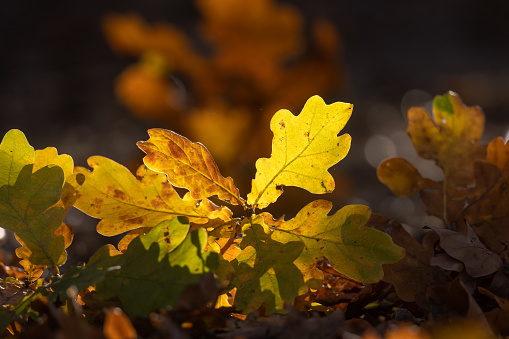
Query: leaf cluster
x=461, y=267
x=172, y=242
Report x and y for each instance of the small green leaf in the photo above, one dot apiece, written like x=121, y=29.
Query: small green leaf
x=264, y=270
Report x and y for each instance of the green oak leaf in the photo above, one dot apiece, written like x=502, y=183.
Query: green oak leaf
x=351, y=249
x=145, y=280
x=26, y=208
x=264, y=270
x=15, y=153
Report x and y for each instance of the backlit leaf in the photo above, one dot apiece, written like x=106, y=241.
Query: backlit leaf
x=124, y=202
x=15, y=153
x=146, y=280
x=356, y=252
x=187, y=165
x=303, y=149
x=264, y=270
x=27, y=209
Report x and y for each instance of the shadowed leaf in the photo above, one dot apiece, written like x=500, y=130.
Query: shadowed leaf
x=149, y=277
x=27, y=209
x=264, y=270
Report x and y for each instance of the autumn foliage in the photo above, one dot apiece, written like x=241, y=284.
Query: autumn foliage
x=199, y=259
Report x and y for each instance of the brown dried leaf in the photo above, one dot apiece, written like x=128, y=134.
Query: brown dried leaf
x=479, y=261
x=412, y=275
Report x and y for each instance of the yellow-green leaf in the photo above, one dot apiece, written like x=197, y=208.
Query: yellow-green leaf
x=303, y=149
x=15, y=153
x=351, y=249
x=264, y=270
x=26, y=208
x=187, y=164
x=152, y=273
x=123, y=202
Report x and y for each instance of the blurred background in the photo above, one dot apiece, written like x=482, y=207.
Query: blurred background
x=90, y=78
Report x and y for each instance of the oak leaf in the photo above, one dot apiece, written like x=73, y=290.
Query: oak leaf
x=450, y=138
x=303, y=148
x=356, y=251
x=488, y=214
x=412, y=275
x=27, y=209
x=264, y=270
x=151, y=274
x=187, y=164
x=31, y=187
x=124, y=203
x=477, y=259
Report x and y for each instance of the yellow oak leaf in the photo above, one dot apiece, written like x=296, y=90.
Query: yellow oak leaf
x=303, y=149
x=123, y=202
x=187, y=164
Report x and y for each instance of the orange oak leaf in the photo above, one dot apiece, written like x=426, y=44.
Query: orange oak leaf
x=187, y=164
x=123, y=202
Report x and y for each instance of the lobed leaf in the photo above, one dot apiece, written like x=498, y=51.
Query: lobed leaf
x=27, y=209
x=356, y=252
x=151, y=275
x=303, y=148
x=187, y=164
x=413, y=275
x=15, y=153
x=478, y=260
x=450, y=138
x=264, y=270
x=123, y=202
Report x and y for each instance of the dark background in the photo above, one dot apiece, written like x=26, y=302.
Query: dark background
x=57, y=74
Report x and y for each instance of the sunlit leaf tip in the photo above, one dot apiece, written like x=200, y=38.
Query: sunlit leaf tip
x=304, y=147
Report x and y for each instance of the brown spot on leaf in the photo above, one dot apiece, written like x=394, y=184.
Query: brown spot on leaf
x=121, y=195
x=282, y=124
